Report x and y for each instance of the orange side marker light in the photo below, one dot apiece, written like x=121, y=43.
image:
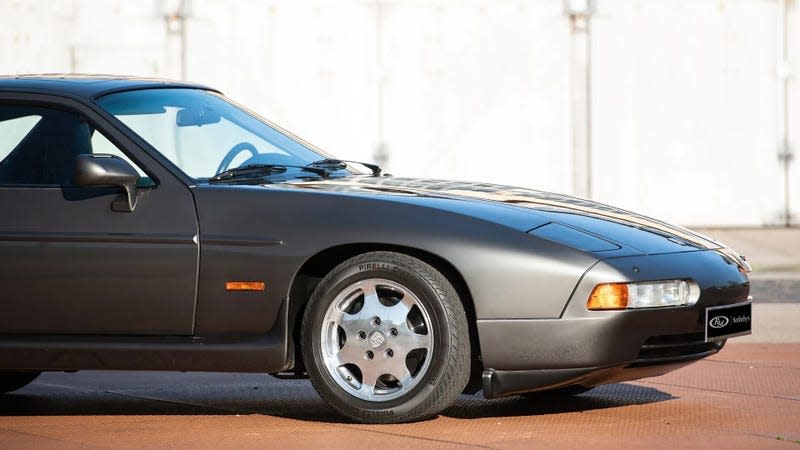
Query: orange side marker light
x=245, y=286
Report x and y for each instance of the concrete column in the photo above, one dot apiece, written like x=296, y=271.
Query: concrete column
x=175, y=13
x=579, y=13
x=784, y=73
x=381, y=153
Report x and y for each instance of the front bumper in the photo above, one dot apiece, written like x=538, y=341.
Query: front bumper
x=653, y=361
x=590, y=348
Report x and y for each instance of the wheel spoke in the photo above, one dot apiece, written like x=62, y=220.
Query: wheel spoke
x=407, y=341
x=369, y=378
x=396, y=367
x=372, y=305
x=398, y=313
x=350, y=354
x=351, y=323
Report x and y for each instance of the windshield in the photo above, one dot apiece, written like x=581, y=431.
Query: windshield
x=203, y=134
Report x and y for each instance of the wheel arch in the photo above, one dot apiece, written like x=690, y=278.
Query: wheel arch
x=317, y=266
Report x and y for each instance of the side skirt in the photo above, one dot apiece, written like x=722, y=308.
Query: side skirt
x=68, y=353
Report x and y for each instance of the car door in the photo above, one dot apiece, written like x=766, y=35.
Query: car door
x=69, y=264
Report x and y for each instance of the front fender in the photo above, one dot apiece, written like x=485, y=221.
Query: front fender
x=248, y=233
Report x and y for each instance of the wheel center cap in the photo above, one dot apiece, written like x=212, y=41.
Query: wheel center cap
x=376, y=339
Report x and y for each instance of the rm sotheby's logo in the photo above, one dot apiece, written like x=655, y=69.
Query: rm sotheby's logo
x=718, y=322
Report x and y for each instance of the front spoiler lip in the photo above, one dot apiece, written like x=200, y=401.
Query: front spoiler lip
x=503, y=383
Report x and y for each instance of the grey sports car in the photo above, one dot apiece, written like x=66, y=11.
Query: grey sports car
x=151, y=224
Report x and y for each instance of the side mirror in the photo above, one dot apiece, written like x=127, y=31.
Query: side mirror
x=108, y=170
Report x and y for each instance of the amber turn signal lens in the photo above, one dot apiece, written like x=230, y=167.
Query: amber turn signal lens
x=608, y=296
x=244, y=286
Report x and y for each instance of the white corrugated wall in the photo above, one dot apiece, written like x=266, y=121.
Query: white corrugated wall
x=684, y=94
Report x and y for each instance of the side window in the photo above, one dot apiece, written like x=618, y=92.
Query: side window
x=13, y=131
x=38, y=145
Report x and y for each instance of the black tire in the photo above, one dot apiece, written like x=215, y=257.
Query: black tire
x=439, y=321
x=554, y=394
x=11, y=381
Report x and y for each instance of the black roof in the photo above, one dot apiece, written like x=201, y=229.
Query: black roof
x=85, y=85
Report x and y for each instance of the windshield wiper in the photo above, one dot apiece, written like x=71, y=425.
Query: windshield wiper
x=251, y=170
x=337, y=164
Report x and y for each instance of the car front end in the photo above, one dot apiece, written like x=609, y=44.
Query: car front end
x=603, y=341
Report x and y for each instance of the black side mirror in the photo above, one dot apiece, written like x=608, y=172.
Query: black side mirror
x=108, y=170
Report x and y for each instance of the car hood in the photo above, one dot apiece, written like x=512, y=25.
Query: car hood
x=596, y=220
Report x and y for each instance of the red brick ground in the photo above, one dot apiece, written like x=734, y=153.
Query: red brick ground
x=748, y=396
